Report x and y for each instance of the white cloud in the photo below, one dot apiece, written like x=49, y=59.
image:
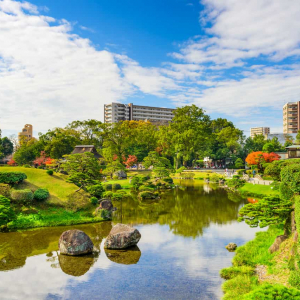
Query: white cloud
x=242, y=29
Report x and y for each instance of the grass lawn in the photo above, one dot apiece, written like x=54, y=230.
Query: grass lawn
x=58, y=188
x=250, y=188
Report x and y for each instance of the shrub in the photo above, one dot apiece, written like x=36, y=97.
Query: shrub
x=239, y=285
x=231, y=272
x=108, y=194
x=294, y=279
x=41, y=194
x=96, y=190
x=27, y=166
x=115, y=177
x=22, y=195
x=143, y=188
x=214, y=178
x=116, y=186
x=94, y=200
x=239, y=163
x=241, y=172
x=12, y=177
x=236, y=176
x=49, y=172
x=235, y=183
x=77, y=201
x=290, y=180
x=6, y=212
x=108, y=187
x=5, y=190
x=168, y=180
x=273, y=291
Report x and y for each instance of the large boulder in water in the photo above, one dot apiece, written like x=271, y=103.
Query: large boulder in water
x=106, y=204
x=120, y=174
x=121, y=237
x=75, y=242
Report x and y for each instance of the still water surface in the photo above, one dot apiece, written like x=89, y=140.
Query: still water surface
x=179, y=256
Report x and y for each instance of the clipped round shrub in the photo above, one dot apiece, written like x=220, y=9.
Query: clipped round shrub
x=49, y=172
x=108, y=194
x=96, y=190
x=6, y=212
x=12, y=177
x=22, y=195
x=116, y=186
x=94, y=200
x=108, y=187
x=5, y=190
x=27, y=166
x=41, y=194
x=273, y=291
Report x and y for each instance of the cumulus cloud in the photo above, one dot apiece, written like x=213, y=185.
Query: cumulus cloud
x=242, y=29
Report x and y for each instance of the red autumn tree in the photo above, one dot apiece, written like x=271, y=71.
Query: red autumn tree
x=43, y=160
x=130, y=161
x=11, y=162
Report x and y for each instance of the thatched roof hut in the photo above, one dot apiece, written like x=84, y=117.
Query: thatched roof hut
x=86, y=148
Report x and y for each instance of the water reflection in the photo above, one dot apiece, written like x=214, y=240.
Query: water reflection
x=126, y=257
x=179, y=255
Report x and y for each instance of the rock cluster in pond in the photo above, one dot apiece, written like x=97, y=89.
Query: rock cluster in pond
x=75, y=242
x=121, y=237
x=105, y=209
x=231, y=246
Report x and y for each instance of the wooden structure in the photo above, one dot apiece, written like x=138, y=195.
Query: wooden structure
x=79, y=149
x=293, y=151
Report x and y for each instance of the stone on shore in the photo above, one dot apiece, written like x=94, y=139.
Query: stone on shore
x=231, y=246
x=75, y=242
x=121, y=237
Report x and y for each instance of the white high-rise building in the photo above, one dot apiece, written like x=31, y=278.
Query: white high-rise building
x=115, y=112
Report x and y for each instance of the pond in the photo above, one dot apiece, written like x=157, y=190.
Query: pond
x=179, y=256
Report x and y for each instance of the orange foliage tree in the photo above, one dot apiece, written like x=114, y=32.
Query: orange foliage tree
x=258, y=158
x=11, y=162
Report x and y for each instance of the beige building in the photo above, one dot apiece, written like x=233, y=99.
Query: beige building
x=259, y=130
x=116, y=112
x=291, y=117
x=26, y=133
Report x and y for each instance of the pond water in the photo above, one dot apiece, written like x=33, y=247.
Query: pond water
x=179, y=256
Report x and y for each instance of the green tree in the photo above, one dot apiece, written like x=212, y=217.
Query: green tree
x=27, y=152
x=297, y=141
x=6, y=147
x=83, y=169
x=6, y=212
x=269, y=211
x=239, y=164
x=157, y=161
x=113, y=167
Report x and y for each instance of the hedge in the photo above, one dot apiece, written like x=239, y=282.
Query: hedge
x=22, y=195
x=12, y=177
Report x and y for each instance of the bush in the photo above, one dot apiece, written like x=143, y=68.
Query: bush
x=108, y=194
x=41, y=194
x=147, y=195
x=235, y=183
x=143, y=188
x=77, y=201
x=273, y=291
x=214, y=178
x=5, y=190
x=294, y=279
x=6, y=212
x=116, y=186
x=115, y=177
x=108, y=187
x=241, y=172
x=290, y=181
x=168, y=180
x=231, y=272
x=236, y=176
x=49, y=172
x=96, y=190
x=12, y=177
x=239, y=285
x=27, y=166
x=22, y=195
x=239, y=163
x=94, y=200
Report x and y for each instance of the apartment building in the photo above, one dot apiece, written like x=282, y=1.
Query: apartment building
x=26, y=133
x=115, y=112
x=291, y=117
x=259, y=130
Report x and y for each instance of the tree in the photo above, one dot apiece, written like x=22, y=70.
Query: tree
x=259, y=158
x=161, y=172
x=6, y=147
x=28, y=152
x=254, y=144
x=269, y=211
x=83, y=169
x=113, y=167
x=6, y=212
x=130, y=161
x=155, y=160
x=239, y=164
x=297, y=141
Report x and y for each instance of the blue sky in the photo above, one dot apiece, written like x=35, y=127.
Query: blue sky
x=62, y=60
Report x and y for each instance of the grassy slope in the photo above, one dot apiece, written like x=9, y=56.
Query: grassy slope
x=59, y=189
x=258, y=189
